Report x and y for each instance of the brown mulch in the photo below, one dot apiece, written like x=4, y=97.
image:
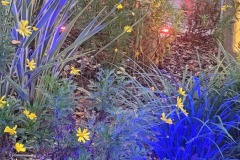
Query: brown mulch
x=184, y=54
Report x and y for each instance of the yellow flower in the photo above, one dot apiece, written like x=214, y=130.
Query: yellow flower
x=119, y=6
x=32, y=116
x=179, y=103
x=11, y=131
x=31, y=64
x=163, y=118
x=82, y=135
x=5, y=3
x=115, y=50
x=74, y=71
x=2, y=102
x=20, y=147
x=181, y=91
x=128, y=29
x=29, y=115
x=24, y=29
x=26, y=112
x=34, y=28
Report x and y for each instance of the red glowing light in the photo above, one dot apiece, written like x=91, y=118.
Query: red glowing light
x=63, y=28
x=165, y=30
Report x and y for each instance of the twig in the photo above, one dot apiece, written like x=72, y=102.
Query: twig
x=25, y=155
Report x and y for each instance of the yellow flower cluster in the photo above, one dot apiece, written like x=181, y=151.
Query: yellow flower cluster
x=29, y=115
x=179, y=105
x=12, y=131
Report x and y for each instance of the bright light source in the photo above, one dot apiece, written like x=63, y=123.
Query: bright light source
x=63, y=28
x=165, y=30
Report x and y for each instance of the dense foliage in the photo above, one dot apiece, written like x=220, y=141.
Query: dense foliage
x=137, y=111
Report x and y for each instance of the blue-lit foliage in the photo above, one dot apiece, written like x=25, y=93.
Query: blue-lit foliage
x=208, y=131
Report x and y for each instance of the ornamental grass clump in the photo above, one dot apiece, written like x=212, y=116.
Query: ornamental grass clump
x=208, y=130
x=39, y=51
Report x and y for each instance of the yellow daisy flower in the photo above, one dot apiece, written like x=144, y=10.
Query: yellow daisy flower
x=31, y=64
x=163, y=118
x=2, y=102
x=74, y=71
x=24, y=29
x=5, y=3
x=11, y=131
x=119, y=6
x=182, y=92
x=128, y=29
x=82, y=135
x=20, y=147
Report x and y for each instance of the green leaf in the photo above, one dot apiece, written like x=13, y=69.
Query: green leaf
x=17, y=88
